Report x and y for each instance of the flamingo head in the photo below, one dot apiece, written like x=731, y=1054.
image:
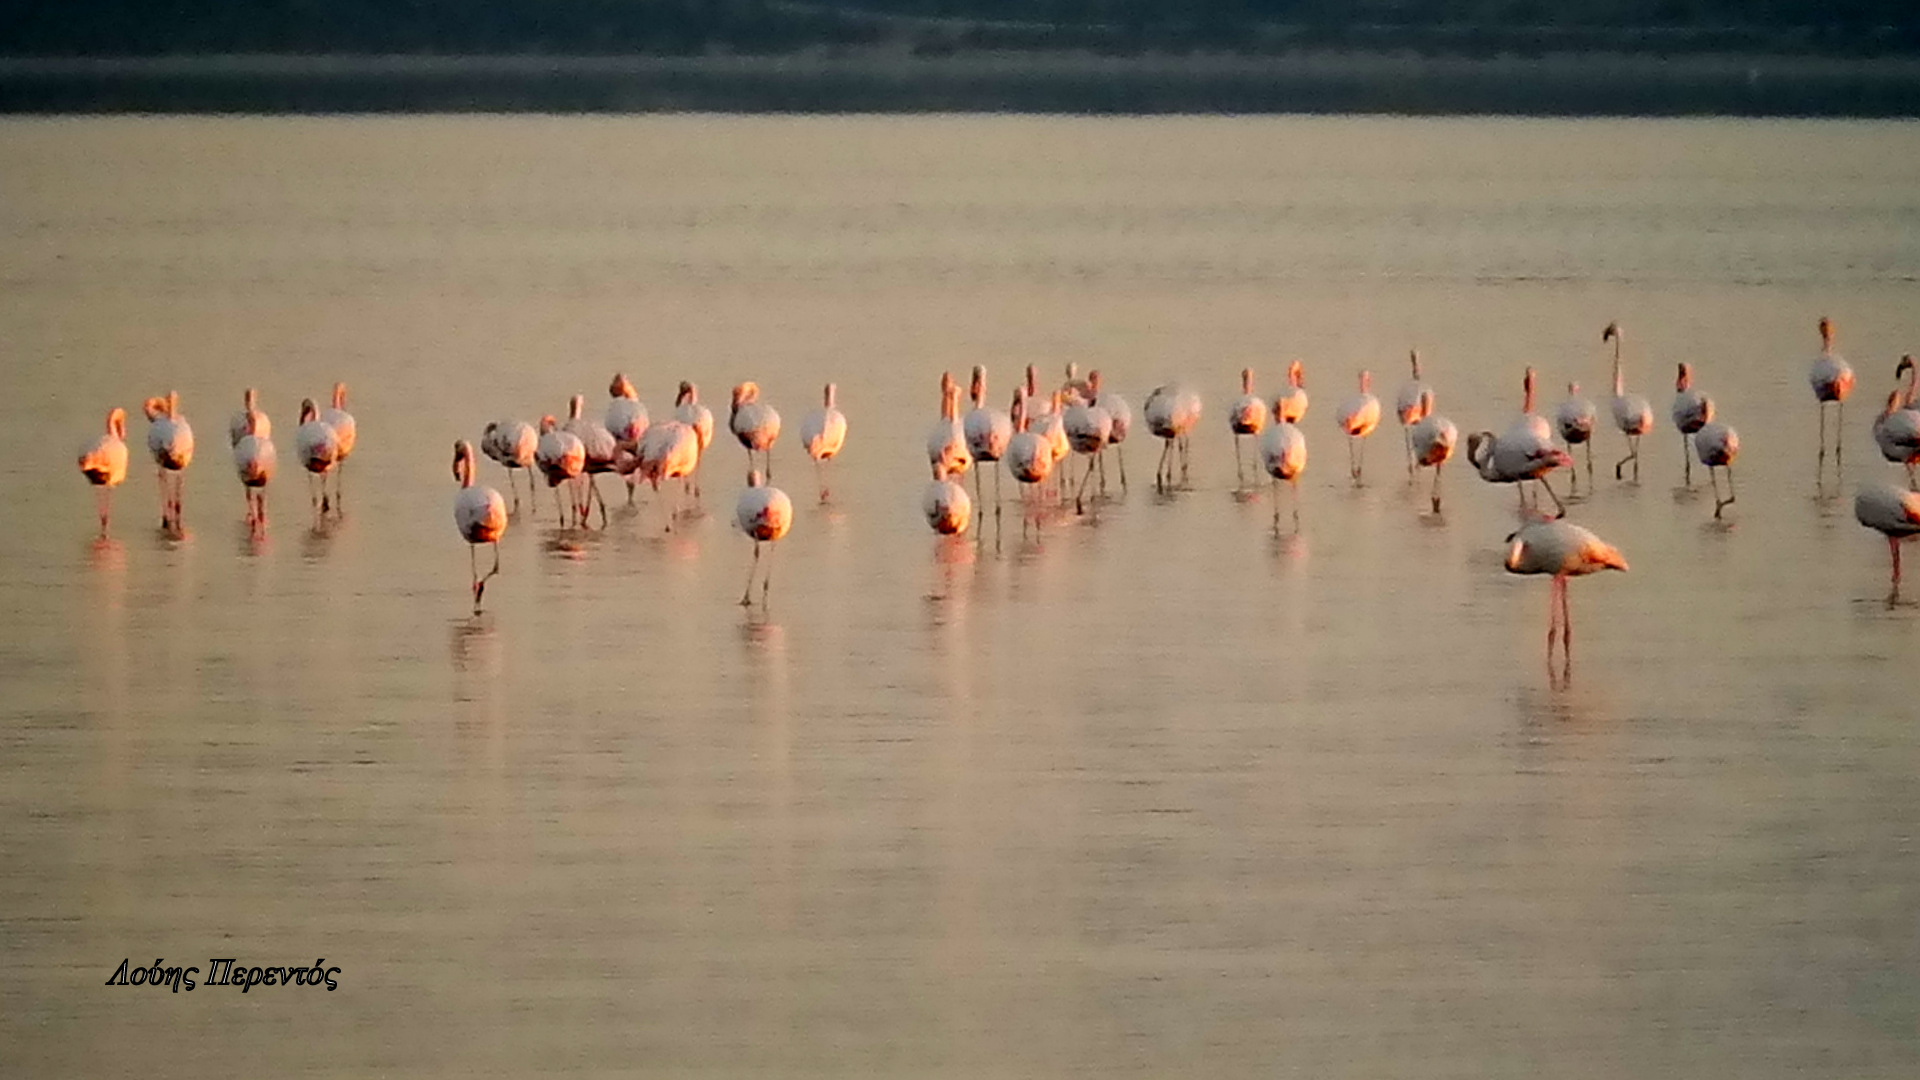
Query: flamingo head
x=339, y=395
x=1904, y=366
x=620, y=387
x=688, y=393
x=1093, y=382
x=1073, y=371
x=1018, y=411
x=1611, y=333
x=745, y=393
x=547, y=424
x=1474, y=442
x=1573, y=389
x=1683, y=378
x=307, y=410
x=978, y=389
x=117, y=422
x=154, y=407
x=463, y=461
x=1826, y=333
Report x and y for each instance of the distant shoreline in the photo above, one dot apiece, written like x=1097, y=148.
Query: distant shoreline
x=892, y=81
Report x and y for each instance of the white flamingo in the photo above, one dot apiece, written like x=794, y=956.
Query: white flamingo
x=754, y=423
x=947, y=440
x=512, y=443
x=987, y=431
x=1406, y=406
x=1563, y=550
x=1832, y=380
x=170, y=441
x=1631, y=413
x=1358, y=416
x=561, y=457
x=688, y=410
x=1896, y=431
x=945, y=504
x=626, y=420
x=1291, y=403
x=765, y=514
x=1432, y=437
x=670, y=450
x=1248, y=416
x=1507, y=460
x=1283, y=454
x=822, y=433
x=249, y=408
x=1895, y=514
x=1171, y=412
x=317, y=446
x=347, y=432
x=1087, y=427
x=1717, y=444
x=602, y=456
x=1029, y=457
x=255, y=460
x=481, y=516
x=1121, y=412
x=104, y=463
x=1691, y=411
x=1574, y=420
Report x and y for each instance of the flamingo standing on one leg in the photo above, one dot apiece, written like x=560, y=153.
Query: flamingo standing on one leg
x=255, y=459
x=1563, y=550
x=481, y=516
x=1433, y=438
x=1359, y=415
x=1895, y=514
x=1407, y=407
x=170, y=441
x=1283, y=454
x=1248, y=416
x=1832, y=380
x=822, y=433
x=1631, y=413
x=765, y=514
x=1691, y=411
x=104, y=464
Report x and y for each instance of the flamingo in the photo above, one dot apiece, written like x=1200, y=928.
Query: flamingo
x=947, y=440
x=602, y=456
x=945, y=504
x=104, y=464
x=1717, y=444
x=170, y=441
x=1121, y=412
x=481, y=516
x=512, y=443
x=1087, y=428
x=1574, y=418
x=1407, y=407
x=1291, y=403
x=1052, y=427
x=1283, y=454
x=254, y=459
x=688, y=410
x=341, y=421
x=1897, y=432
x=1432, y=438
x=237, y=425
x=1631, y=413
x=754, y=423
x=1506, y=460
x=987, y=431
x=1029, y=456
x=626, y=420
x=1895, y=514
x=1564, y=550
x=1074, y=384
x=561, y=457
x=1171, y=411
x=765, y=514
x=1247, y=417
x=318, y=447
x=1832, y=380
x=669, y=450
x=1691, y=412
x=1359, y=415
x=822, y=434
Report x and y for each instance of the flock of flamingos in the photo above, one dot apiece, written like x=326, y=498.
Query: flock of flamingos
x=1037, y=438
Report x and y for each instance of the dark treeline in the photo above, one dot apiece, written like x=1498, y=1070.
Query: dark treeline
x=939, y=27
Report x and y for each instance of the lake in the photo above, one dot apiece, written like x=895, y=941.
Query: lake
x=1156, y=793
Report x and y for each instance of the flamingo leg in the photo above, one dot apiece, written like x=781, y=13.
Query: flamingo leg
x=1353, y=469
x=1820, y=466
x=1162, y=474
x=1566, y=622
x=1893, y=545
x=1407, y=431
x=1730, y=494
x=1239, y=470
x=1276, y=507
x=1101, y=457
x=1436, y=488
x=1559, y=507
x=103, y=502
x=1186, y=460
x=1553, y=616
x=594, y=482
x=1120, y=457
x=1839, y=434
x=1589, y=463
x=1079, y=506
x=1293, y=488
x=766, y=582
x=1686, y=460
x=746, y=598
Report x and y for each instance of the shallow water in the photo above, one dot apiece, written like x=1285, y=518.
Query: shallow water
x=1157, y=793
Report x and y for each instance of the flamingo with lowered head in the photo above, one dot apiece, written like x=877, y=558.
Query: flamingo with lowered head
x=945, y=504
x=1895, y=514
x=1565, y=551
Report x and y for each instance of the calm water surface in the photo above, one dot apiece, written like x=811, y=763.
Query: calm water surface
x=1159, y=795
